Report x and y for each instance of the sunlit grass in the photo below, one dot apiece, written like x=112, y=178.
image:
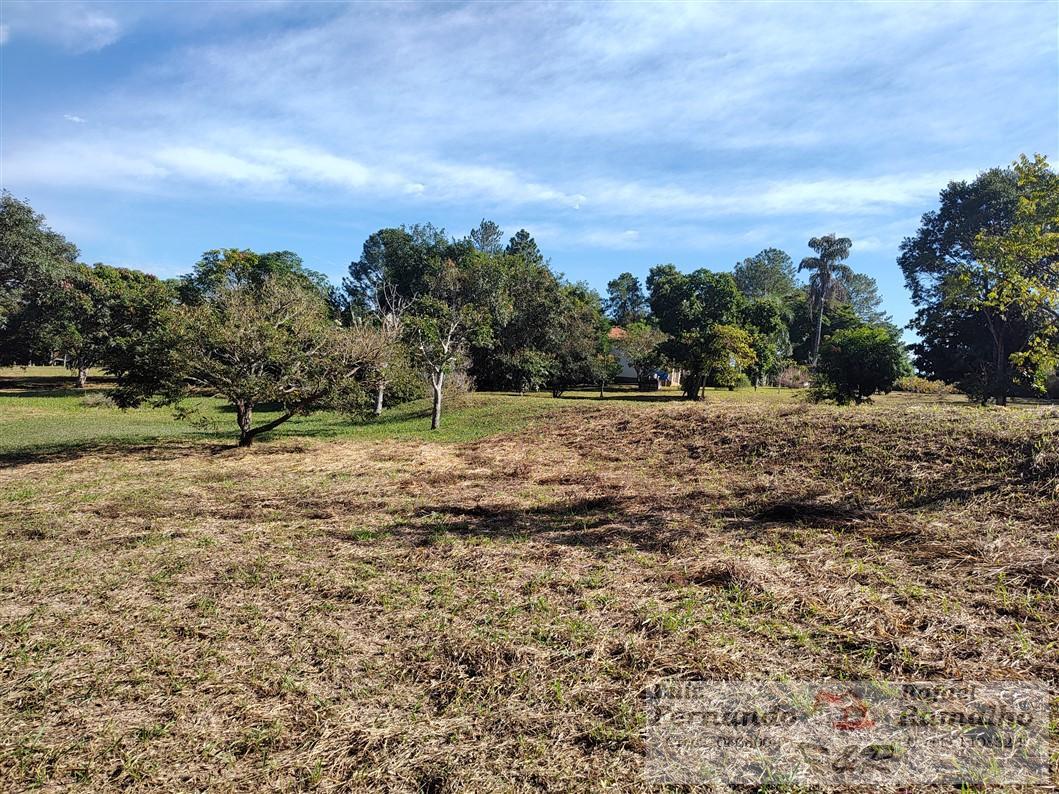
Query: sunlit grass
x=40, y=411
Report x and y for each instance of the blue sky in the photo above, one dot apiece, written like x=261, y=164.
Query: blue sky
x=620, y=135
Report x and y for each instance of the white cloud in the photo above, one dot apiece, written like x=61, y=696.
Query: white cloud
x=206, y=165
x=74, y=119
x=5, y=34
x=78, y=27
x=74, y=164
x=609, y=124
x=871, y=243
x=276, y=168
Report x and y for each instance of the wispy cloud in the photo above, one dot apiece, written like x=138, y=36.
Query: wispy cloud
x=74, y=119
x=78, y=27
x=284, y=167
x=641, y=129
x=5, y=34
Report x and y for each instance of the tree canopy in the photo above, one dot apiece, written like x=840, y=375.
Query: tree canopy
x=857, y=363
x=688, y=308
x=626, y=302
x=979, y=271
x=769, y=273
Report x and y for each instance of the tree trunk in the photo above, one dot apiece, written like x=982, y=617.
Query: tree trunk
x=814, y=358
x=436, y=381
x=1000, y=391
x=244, y=414
x=694, y=386
x=378, y=398
x=602, y=383
x=82, y=377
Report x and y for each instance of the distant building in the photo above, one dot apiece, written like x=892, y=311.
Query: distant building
x=653, y=379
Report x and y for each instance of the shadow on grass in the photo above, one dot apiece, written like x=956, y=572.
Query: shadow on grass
x=630, y=396
x=157, y=448
x=50, y=391
x=53, y=383
x=191, y=441
x=596, y=522
x=604, y=521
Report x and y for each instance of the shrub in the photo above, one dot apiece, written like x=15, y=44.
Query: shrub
x=458, y=384
x=855, y=363
x=918, y=385
x=793, y=377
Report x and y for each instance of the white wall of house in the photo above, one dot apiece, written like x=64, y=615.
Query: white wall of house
x=627, y=372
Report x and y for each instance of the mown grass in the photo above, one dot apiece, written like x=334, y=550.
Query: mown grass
x=41, y=412
x=371, y=610
x=51, y=417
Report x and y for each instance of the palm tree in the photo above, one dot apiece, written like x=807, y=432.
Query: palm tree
x=828, y=273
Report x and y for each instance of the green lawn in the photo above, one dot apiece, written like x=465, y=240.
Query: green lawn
x=41, y=413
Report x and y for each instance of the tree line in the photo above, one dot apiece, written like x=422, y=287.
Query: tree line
x=419, y=308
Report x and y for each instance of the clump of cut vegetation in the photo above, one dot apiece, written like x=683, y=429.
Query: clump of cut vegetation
x=383, y=611
x=97, y=399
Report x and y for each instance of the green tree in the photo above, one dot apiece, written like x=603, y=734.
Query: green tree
x=626, y=303
x=964, y=336
x=605, y=368
x=769, y=273
x=729, y=353
x=687, y=308
x=403, y=259
x=858, y=362
x=141, y=311
x=525, y=307
x=578, y=347
x=825, y=268
x=1018, y=275
x=861, y=292
x=33, y=261
x=766, y=320
x=802, y=323
x=523, y=245
x=387, y=315
x=487, y=237
x=101, y=316
x=450, y=315
x=223, y=268
x=944, y=243
x=269, y=342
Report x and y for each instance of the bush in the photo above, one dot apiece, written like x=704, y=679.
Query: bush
x=855, y=363
x=918, y=385
x=793, y=377
x=458, y=383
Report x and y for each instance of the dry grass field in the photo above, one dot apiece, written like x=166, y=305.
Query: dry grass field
x=398, y=613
